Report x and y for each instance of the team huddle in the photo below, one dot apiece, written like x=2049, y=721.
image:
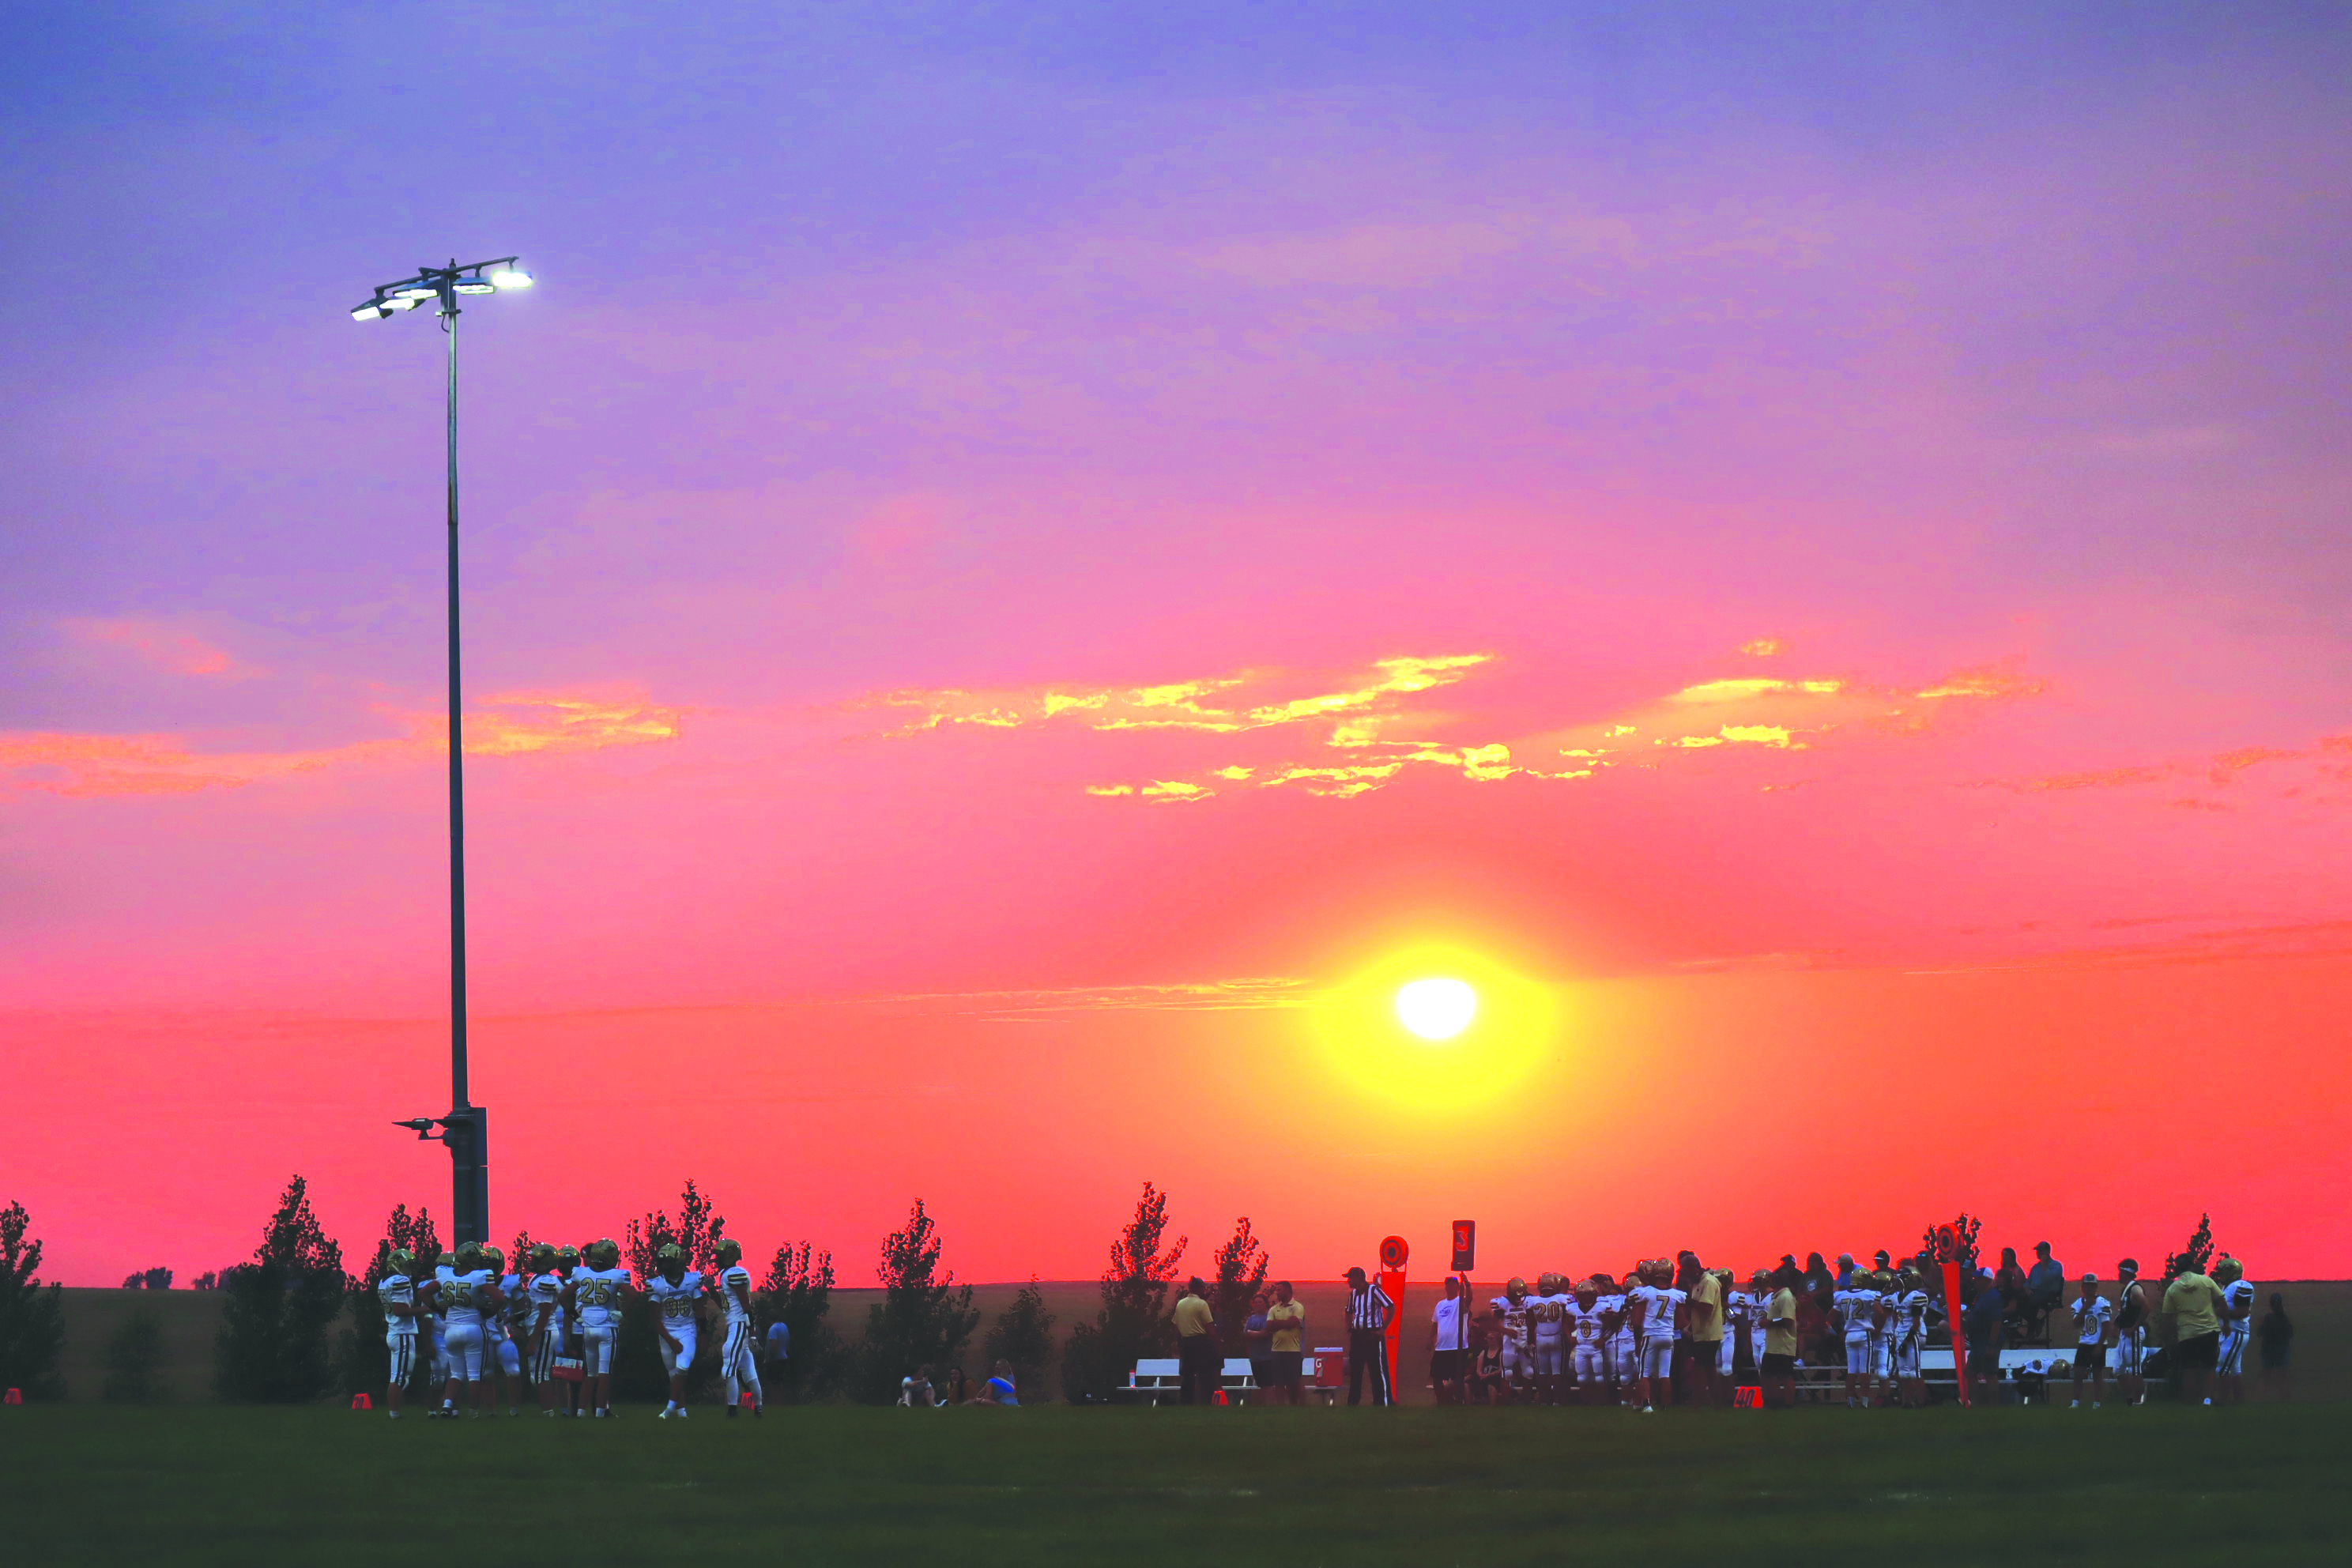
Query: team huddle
x=555, y=1322
x=1617, y=1344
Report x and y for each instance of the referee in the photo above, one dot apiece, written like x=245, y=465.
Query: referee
x=1368, y=1310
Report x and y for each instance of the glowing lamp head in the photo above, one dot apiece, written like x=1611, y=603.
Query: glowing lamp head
x=1437, y=1009
x=509, y=277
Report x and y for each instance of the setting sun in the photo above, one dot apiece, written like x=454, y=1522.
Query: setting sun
x=1437, y=1009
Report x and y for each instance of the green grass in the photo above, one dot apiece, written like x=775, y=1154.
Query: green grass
x=204, y=1484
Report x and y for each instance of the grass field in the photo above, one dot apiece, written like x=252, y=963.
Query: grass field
x=205, y=1484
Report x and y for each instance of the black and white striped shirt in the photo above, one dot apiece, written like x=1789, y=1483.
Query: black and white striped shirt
x=1368, y=1307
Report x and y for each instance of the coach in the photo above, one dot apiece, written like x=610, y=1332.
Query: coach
x=1368, y=1310
x=1199, y=1362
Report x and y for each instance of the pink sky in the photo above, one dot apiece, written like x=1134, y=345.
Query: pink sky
x=1003, y=582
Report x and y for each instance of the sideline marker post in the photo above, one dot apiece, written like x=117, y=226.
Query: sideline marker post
x=13, y=1396
x=361, y=1401
x=1948, y=1253
x=1393, y=1252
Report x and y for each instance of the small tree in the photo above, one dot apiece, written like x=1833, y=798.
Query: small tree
x=1241, y=1274
x=273, y=1340
x=923, y=1319
x=208, y=1280
x=133, y=1355
x=149, y=1279
x=360, y=1359
x=1023, y=1335
x=1133, y=1323
x=2198, y=1255
x=32, y=1315
x=798, y=1293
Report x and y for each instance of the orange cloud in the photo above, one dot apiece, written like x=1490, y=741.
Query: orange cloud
x=515, y=725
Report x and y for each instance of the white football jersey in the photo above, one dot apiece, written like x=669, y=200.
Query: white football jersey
x=516, y=1307
x=730, y=1279
x=546, y=1290
x=1657, y=1304
x=676, y=1302
x=399, y=1288
x=1514, y=1315
x=1547, y=1312
x=597, y=1293
x=1613, y=1305
x=1860, y=1308
x=463, y=1296
x=2238, y=1296
x=2091, y=1320
x=1584, y=1322
x=1910, y=1319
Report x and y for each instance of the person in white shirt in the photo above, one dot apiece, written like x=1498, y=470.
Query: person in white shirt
x=677, y=1294
x=597, y=1293
x=2093, y=1313
x=1512, y=1308
x=469, y=1293
x=1860, y=1305
x=1620, y=1346
x=736, y=1362
x=398, y=1291
x=1586, y=1323
x=1909, y=1308
x=542, y=1325
x=2237, y=1326
x=1449, y=1342
x=1657, y=1307
x=1548, y=1315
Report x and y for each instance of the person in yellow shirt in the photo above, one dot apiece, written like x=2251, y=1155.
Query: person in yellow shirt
x=1780, y=1367
x=1287, y=1320
x=1706, y=1336
x=1198, y=1359
x=2194, y=1303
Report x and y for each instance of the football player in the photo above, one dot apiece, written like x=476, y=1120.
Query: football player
x=1657, y=1308
x=1908, y=1311
x=1859, y=1304
x=2237, y=1325
x=502, y=1330
x=1618, y=1344
x=399, y=1291
x=1519, y=1359
x=1738, y=1315
x=675, y=1291
x=542, y=1325
x=1547, y=1318
x=468, y=1295
x=738, y=1358
x=567, y=1263
x=1586, y=1323
x=598, y=1292
x=444, y=1267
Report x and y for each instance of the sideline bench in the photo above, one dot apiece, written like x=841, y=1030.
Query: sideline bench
x=1155, y=1379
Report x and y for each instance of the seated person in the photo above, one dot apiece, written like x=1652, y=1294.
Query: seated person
x=998, y=1390
x=916, y=1389
x=2045, y=1282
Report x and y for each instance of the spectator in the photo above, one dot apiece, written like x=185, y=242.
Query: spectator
x=1449, y=1344
x=958, y=1389
x=1779, y=1370
x=1368, y=1310
x=1981, y=1323
x=1285, y=1323
x=1484, y=1383
x=2194, y=1303
x=916, y=1388
x=2045, y=1282
x=1844, y=1280
x=2276, y=1333
x=1818, y=1278
x=2010, y=1280
x=780, y=1341
x=1198, y=1358
x=1704, y=1295
x=998, y=1390
x=2093, y=1313
x=2131, y=1331
x=1257, y=1340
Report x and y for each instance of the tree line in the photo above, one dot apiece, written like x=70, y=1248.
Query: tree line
x=296, y=1325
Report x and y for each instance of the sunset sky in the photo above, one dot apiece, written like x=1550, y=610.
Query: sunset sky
x=1026, y=563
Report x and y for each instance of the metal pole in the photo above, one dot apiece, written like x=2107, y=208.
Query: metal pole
x=457, y=757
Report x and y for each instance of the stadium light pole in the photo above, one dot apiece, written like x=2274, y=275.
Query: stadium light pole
x=465, y=1130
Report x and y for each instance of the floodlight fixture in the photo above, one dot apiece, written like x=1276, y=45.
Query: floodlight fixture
x=475, y=285
x=374, y=310
x=511, y=276
x=416, y=291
